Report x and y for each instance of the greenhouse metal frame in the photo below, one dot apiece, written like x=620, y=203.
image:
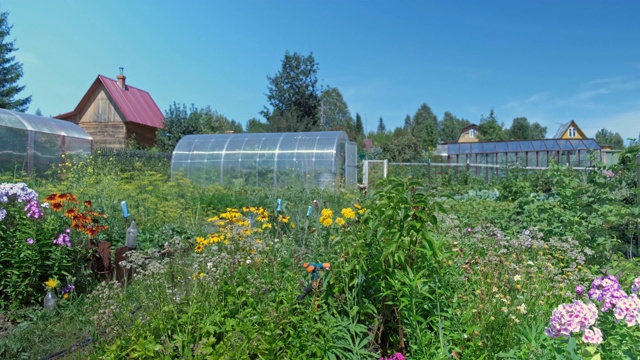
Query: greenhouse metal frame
x=527, y=153
x=323, y=159
x=35, y=143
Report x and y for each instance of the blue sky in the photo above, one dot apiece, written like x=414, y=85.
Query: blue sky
x=551, y=61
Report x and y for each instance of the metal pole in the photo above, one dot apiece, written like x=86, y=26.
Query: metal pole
x=365, y=173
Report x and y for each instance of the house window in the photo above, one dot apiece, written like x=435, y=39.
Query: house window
x=472, y=133
x=572, y=132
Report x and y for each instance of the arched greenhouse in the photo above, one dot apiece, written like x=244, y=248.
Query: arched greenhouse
x=323, y=159
x=33, y=143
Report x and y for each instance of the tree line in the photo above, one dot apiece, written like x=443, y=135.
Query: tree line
x=295, y=103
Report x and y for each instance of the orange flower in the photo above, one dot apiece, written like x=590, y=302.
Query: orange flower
x=91, y=231
x=87, y=203
x=70, y=212
x=51, y=198
x=56, y=206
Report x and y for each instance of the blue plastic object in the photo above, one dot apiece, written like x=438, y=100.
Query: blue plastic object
x=279, y=207
x=309, y=210
x=125, y=209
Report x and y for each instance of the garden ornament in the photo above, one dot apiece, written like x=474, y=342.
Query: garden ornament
x=312, y=268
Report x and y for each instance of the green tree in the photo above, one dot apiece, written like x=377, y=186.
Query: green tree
x=407, y=123
x=335, y=111
x=608, y=137
x=402, y=147
x=216, y=123
x=490, y=129
x=359, y=127
x=256, y=126
x=293, y=95
x=10, y=71
x=424, y=127
x=180, y=121
x=382, y=128
x=450, y=127
x=520, y=129
x=538, y=131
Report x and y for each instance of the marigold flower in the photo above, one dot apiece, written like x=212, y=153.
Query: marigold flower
x=340, y=221
x=348, y=213
x=326, y=221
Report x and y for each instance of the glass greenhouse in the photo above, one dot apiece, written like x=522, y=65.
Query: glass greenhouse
x=323, y=159
x=528, y=153
x=34, y=143
x=481, y=156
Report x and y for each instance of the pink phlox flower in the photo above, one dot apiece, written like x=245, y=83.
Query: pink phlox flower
x=628, y=308
x=636, y=286
x=592, y=336
x=571, y=318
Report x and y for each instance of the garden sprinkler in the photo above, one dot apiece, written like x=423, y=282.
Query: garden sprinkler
x=313, y=269
x=306, y=225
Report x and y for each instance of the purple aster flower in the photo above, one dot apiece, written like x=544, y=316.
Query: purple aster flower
x=579, y=290
x=469, y=230
x=30, y=241
x=3, y=213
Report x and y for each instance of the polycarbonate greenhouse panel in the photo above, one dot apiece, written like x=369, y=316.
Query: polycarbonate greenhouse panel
x=265, y=159
x=35, y=143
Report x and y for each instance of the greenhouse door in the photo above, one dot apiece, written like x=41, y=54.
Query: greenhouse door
x=351, y=164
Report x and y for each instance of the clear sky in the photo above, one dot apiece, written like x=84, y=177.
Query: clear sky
x=551, y=61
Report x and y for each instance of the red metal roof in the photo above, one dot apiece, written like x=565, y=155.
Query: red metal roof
x=136, y=105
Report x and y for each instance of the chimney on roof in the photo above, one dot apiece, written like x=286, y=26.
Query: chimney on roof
x=121, y=79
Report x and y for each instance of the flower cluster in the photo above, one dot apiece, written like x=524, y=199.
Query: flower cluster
x=33, y=209
x=18, y=192
x=86, y=221
x=63, y=239
x=606, y=289
x=574, y=318
x=628, y=309
x=326, y=217
x=636, y=286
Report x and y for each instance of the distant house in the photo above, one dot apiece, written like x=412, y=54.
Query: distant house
x=113, y=113
x=469, y=134
x=569, y=130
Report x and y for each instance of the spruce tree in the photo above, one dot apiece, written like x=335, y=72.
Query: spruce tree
x=10, y=71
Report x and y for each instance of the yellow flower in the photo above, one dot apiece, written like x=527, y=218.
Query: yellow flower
x=293, y=226
x=326, y=213
x=199, y=248
x=348, y=213
x=340, y=221
x=51, y=283
x=326, y=221
x=65, y=296
x=266, y=225
x=215, y=218
x=358, y=207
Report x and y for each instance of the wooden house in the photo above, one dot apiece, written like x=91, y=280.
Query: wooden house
x=469, y=134
x=114, y=113
x=569, y=130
